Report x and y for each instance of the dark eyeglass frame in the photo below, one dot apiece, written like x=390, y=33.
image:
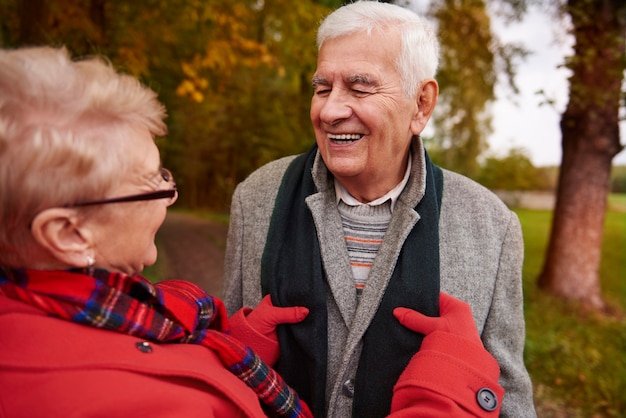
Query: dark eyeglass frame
x=159, y=194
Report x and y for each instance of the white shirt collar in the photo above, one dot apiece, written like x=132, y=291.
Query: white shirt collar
x=342, y=194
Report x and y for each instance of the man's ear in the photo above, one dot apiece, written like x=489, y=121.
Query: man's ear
x=426, y=100
x=57, y=230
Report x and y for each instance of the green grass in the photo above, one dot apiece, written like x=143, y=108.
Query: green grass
x=577, y=359
x=617, y=202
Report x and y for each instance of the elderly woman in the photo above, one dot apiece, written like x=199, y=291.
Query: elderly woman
x=83, y=195
x=83, y=334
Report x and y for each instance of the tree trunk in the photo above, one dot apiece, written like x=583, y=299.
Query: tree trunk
x=590, y=135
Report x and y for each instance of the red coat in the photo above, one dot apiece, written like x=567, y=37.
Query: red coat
x=54, y=368
x=450, y=376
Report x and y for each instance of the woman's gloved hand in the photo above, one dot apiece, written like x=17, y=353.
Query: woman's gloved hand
x=455, y=318
x=257, y=327
x=265, y=317
x=452, y=374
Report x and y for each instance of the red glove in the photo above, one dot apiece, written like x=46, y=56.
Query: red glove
x=257, y=327
x=452, y=374
x=455, y=318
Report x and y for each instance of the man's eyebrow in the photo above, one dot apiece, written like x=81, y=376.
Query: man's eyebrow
x=361, y=79
x=319, y=81
x=351, y=79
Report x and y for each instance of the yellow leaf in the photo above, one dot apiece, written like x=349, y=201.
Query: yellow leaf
x=197, y=97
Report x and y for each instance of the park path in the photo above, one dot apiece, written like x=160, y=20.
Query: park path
x=191, y=248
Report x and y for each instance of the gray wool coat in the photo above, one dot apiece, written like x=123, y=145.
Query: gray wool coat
x=481, y=253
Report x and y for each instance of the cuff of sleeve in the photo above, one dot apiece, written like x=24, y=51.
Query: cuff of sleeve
x=264, y=347
x=456, y=368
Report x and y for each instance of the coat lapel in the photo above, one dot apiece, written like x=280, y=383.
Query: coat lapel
x=332, y=241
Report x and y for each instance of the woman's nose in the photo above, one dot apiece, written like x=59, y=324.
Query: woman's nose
x=173, y=199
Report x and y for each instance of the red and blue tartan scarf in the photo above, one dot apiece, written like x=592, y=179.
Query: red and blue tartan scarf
x=173, y=311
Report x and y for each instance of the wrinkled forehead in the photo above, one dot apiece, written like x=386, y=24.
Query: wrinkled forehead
x=359, y=55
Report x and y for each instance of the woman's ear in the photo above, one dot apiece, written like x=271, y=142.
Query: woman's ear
x=426, y=100
x=58, y=231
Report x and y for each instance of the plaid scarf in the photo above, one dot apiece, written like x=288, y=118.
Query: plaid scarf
x=174, y=311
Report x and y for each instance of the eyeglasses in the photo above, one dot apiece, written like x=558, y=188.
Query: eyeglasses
x=159, y=194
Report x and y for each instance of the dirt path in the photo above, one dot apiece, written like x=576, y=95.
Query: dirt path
x=192, y=249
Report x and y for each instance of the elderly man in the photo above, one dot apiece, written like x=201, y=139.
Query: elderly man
x=364, y=222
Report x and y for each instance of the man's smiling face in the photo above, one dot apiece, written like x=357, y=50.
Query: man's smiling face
x=362, y=119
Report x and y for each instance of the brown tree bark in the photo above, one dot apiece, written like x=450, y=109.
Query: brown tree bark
x=590, y=140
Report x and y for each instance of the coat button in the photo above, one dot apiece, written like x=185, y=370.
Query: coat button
x=487, y=399
x=348, y=388
x=144, y=346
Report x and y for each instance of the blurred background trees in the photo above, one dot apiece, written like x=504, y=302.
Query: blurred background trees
x=235, y=77
x=467, y=78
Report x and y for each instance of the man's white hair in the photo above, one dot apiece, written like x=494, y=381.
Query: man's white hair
x=419, y=56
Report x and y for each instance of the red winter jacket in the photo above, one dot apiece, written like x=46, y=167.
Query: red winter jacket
x=51, y=367
x=54, y=368
x=450, y=376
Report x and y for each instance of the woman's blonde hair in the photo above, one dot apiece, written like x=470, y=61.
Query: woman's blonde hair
x=64, y=125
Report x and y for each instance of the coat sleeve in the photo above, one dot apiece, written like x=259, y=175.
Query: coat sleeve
x=504, y=330
x=482, y=251
x=450, y=376
x=267, y=348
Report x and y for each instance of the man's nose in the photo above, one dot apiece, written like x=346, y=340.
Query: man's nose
x=336, y=107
